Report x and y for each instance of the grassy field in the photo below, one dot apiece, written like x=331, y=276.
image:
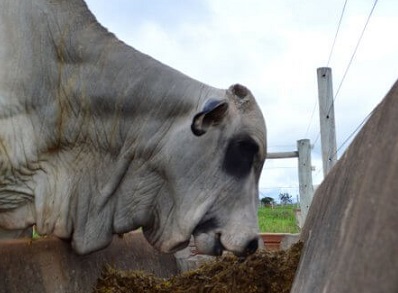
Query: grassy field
x=279, y=219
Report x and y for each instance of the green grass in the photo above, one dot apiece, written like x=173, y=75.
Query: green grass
x=280, y=219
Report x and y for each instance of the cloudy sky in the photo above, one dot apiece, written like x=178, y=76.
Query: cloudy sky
x=274, y=48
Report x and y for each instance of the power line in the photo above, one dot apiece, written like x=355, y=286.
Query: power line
x=354, y=132
x=337, y=32
x=353, y=54
x=348, y=138
x=347, y=68
x=312, y=116
x=319, y=171
x=338, y=90
x=330, y=56
x=316, y=139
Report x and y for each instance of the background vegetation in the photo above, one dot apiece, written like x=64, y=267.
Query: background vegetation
x=280, y=218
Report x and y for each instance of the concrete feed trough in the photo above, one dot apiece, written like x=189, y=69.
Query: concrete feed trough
x=49, y=264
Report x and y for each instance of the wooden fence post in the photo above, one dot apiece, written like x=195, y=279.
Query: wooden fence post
x=305, y=176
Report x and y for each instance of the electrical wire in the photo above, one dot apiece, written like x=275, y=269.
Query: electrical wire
x=316, y=139
x=330, y=56
x=337, y=32
x=345, y=73
x=337, y=92
x=352, y=133
x=353, y=55
x=312, y=117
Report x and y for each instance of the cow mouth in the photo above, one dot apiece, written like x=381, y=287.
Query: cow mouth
x=209, y=240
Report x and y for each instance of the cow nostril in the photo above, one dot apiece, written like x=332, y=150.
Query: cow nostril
x=252, y=246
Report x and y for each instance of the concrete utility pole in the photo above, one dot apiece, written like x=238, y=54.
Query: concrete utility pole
x=326, y=116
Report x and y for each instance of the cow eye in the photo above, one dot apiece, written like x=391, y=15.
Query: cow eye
x=239, y=156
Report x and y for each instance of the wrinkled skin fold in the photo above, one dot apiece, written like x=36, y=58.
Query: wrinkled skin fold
x=97, y=138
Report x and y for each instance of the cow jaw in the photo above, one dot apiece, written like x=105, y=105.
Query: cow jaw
x=175, y=243
x=171, y=231
x=166, y=235
x=237, y=233
x=167, y=241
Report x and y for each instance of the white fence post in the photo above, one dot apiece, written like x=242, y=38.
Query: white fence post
x=305, y=176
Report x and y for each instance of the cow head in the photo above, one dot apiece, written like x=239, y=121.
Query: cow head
x=97, y=138
x=212, y=170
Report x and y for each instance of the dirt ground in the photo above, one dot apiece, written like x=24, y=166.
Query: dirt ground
x=262, y=272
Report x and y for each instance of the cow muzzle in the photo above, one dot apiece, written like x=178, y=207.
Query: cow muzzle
x=216, y=243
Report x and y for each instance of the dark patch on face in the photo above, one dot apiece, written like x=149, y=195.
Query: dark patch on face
x=206, y=226
x=239, y=156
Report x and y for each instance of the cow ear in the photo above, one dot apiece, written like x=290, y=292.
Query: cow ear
x=212, y=114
